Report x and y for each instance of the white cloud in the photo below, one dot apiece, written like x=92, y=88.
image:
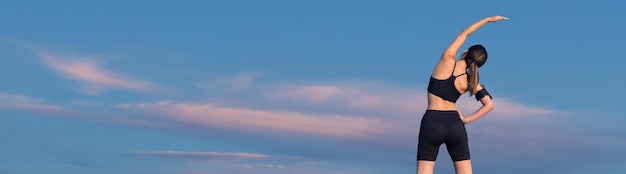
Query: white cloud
x=18, y=98
x=251, y=167
x=95, y=78
x=203, y=155
x=20, y=102
x=235, y=83
x=85, y=103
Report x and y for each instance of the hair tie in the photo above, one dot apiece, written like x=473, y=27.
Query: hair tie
x=469, y=61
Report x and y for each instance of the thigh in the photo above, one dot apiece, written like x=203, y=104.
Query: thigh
x=457, y=142
x=431, y=136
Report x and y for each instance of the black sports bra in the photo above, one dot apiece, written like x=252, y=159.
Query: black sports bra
x=447, y=91
x=445, y=88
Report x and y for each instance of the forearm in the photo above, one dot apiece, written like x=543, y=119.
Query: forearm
x=482, y=111
x=470, y=29
x=453, y=48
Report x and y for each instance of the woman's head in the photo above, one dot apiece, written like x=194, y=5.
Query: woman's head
x=476, y=54
x=475, y=57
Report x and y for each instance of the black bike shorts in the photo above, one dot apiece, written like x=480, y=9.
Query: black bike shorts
x=439, y=127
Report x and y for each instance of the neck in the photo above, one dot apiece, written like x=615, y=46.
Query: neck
x=462, y=64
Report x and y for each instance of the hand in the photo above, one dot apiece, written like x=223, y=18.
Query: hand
x=496, y=18
x=461, y=116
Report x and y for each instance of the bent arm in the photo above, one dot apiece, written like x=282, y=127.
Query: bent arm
x=453, y=48
x=482, y=111
x=486, y=100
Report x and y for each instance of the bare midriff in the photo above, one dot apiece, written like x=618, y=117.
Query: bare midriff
x=437, y=103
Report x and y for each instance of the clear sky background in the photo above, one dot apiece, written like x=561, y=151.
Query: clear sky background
x=302, y=87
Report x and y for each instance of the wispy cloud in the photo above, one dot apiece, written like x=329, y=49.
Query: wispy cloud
x=234, y=83
x=202, y=155
x=260, y=168
x=269, y=121
x=90, y=72
x=312, y=93
x=402, y=107
x=85, y=103
x=384, y=116
x=371, y=99
x=384, y=98
x=20, y=102
x=506, y=109
x=368, y=111
x=374, y=115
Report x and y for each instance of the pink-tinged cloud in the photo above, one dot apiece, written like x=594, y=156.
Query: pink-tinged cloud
x=90, y=72
x=366, y=96
x=267, y=121
x=506, y=109
x=388, y=99
x=203, y=155
x=313, y=93
x=373, y=111
x=20, y=102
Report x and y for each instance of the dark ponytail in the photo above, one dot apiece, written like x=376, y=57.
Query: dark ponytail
x=472, y=78
x=476, y=57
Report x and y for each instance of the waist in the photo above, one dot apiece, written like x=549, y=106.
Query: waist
x=441, y=116
x=436, y=103
x=431, y=111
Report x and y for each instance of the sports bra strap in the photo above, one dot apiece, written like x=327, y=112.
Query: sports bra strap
x=452, y=74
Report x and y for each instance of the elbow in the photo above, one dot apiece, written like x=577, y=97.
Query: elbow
x=449, y=56
x=489, y=106
x=465, y=32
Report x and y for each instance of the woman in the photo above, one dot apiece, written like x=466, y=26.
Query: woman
x=442, y=122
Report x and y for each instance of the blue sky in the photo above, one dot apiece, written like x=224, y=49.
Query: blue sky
x=302, y=87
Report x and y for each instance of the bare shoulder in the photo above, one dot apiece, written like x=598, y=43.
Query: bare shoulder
x=443, y=69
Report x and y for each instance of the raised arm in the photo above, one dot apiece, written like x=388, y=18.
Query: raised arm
x=452, y=50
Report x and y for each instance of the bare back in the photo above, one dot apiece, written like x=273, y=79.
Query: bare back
x=442, y=71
